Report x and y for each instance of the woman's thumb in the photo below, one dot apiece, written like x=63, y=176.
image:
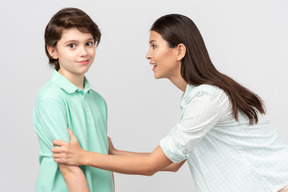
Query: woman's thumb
x=71, y=134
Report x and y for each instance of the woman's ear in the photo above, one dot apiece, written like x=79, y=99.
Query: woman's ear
x=181, y=51
x=52, y=51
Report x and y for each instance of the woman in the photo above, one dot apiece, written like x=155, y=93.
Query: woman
x=222, y=132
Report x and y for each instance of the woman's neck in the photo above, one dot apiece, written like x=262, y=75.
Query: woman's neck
x=179, y=82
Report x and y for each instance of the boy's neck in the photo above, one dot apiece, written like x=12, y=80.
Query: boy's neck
x=77, y=80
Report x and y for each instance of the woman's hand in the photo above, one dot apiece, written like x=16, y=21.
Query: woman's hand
x=111, y=149
x=68, y=152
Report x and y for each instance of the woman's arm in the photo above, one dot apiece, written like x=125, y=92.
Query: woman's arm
x=72, y=154
x=140, y=165
x=174, y=167
x=74, y=178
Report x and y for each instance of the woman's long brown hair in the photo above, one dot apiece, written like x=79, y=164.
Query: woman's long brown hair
x=197, y=68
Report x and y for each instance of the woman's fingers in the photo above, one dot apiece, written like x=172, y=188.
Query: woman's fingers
x=67, y=152
x=55, y=156
x=57, y=142
x=57, y=150
x=111, y=146
x=59, y=160
x=59, y=157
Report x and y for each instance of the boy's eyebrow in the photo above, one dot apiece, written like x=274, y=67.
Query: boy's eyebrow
x=90, y=39
x=152, y=41
x=71, y=41
x=76, y=41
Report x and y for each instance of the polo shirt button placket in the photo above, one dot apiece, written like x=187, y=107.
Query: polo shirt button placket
x=85, y=104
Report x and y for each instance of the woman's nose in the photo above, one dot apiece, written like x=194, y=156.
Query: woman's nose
x=148, y=55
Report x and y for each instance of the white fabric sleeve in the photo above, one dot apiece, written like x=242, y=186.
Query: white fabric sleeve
x=199, y=116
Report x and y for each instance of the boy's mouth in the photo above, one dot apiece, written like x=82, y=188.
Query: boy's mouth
x=84, y=62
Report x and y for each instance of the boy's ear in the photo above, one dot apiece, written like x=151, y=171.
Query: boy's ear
x=181, y=51
x=52, y=51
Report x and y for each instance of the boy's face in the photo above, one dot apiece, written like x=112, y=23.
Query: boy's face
x=75, y=52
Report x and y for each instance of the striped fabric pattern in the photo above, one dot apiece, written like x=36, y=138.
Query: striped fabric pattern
x=223, y=154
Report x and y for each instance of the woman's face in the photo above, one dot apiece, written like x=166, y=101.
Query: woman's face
x=162, y=57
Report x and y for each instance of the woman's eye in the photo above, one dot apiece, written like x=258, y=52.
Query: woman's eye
x=72, y=45
x=153, y=46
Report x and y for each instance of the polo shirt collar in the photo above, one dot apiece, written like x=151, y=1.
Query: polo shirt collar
x=87, y=86
x=186, y=97
x=66, y=85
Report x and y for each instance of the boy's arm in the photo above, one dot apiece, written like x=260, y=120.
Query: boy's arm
x=51, y=119
x=74, y=178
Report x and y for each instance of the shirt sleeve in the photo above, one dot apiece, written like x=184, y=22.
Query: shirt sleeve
x=199, y=116
x=50, y=122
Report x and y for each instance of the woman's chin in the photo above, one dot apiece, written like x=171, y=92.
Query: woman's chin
x=157, y=76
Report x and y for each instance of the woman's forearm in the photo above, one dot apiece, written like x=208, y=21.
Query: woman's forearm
x=74, y=178
x=174, y=167
x=120, y=164
x=71, y=153
x=127, y=153
x=142, y=164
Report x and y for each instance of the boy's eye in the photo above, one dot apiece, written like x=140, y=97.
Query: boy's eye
x=90, y=43
x=153, y=46
x=72, y=45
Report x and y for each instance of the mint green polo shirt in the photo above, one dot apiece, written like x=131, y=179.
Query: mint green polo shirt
x=60, y=104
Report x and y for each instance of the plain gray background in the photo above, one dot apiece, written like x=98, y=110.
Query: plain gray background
x=246, y=39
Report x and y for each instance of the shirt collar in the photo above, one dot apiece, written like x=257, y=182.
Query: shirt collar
x=66, y=85
x=186, y=95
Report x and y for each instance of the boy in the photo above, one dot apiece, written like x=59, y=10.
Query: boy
x=68, y=101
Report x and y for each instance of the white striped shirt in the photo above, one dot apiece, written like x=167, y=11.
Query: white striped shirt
x=225, y=155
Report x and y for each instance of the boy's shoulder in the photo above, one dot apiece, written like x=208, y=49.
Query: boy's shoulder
x=50, y=91
x=96, y=95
